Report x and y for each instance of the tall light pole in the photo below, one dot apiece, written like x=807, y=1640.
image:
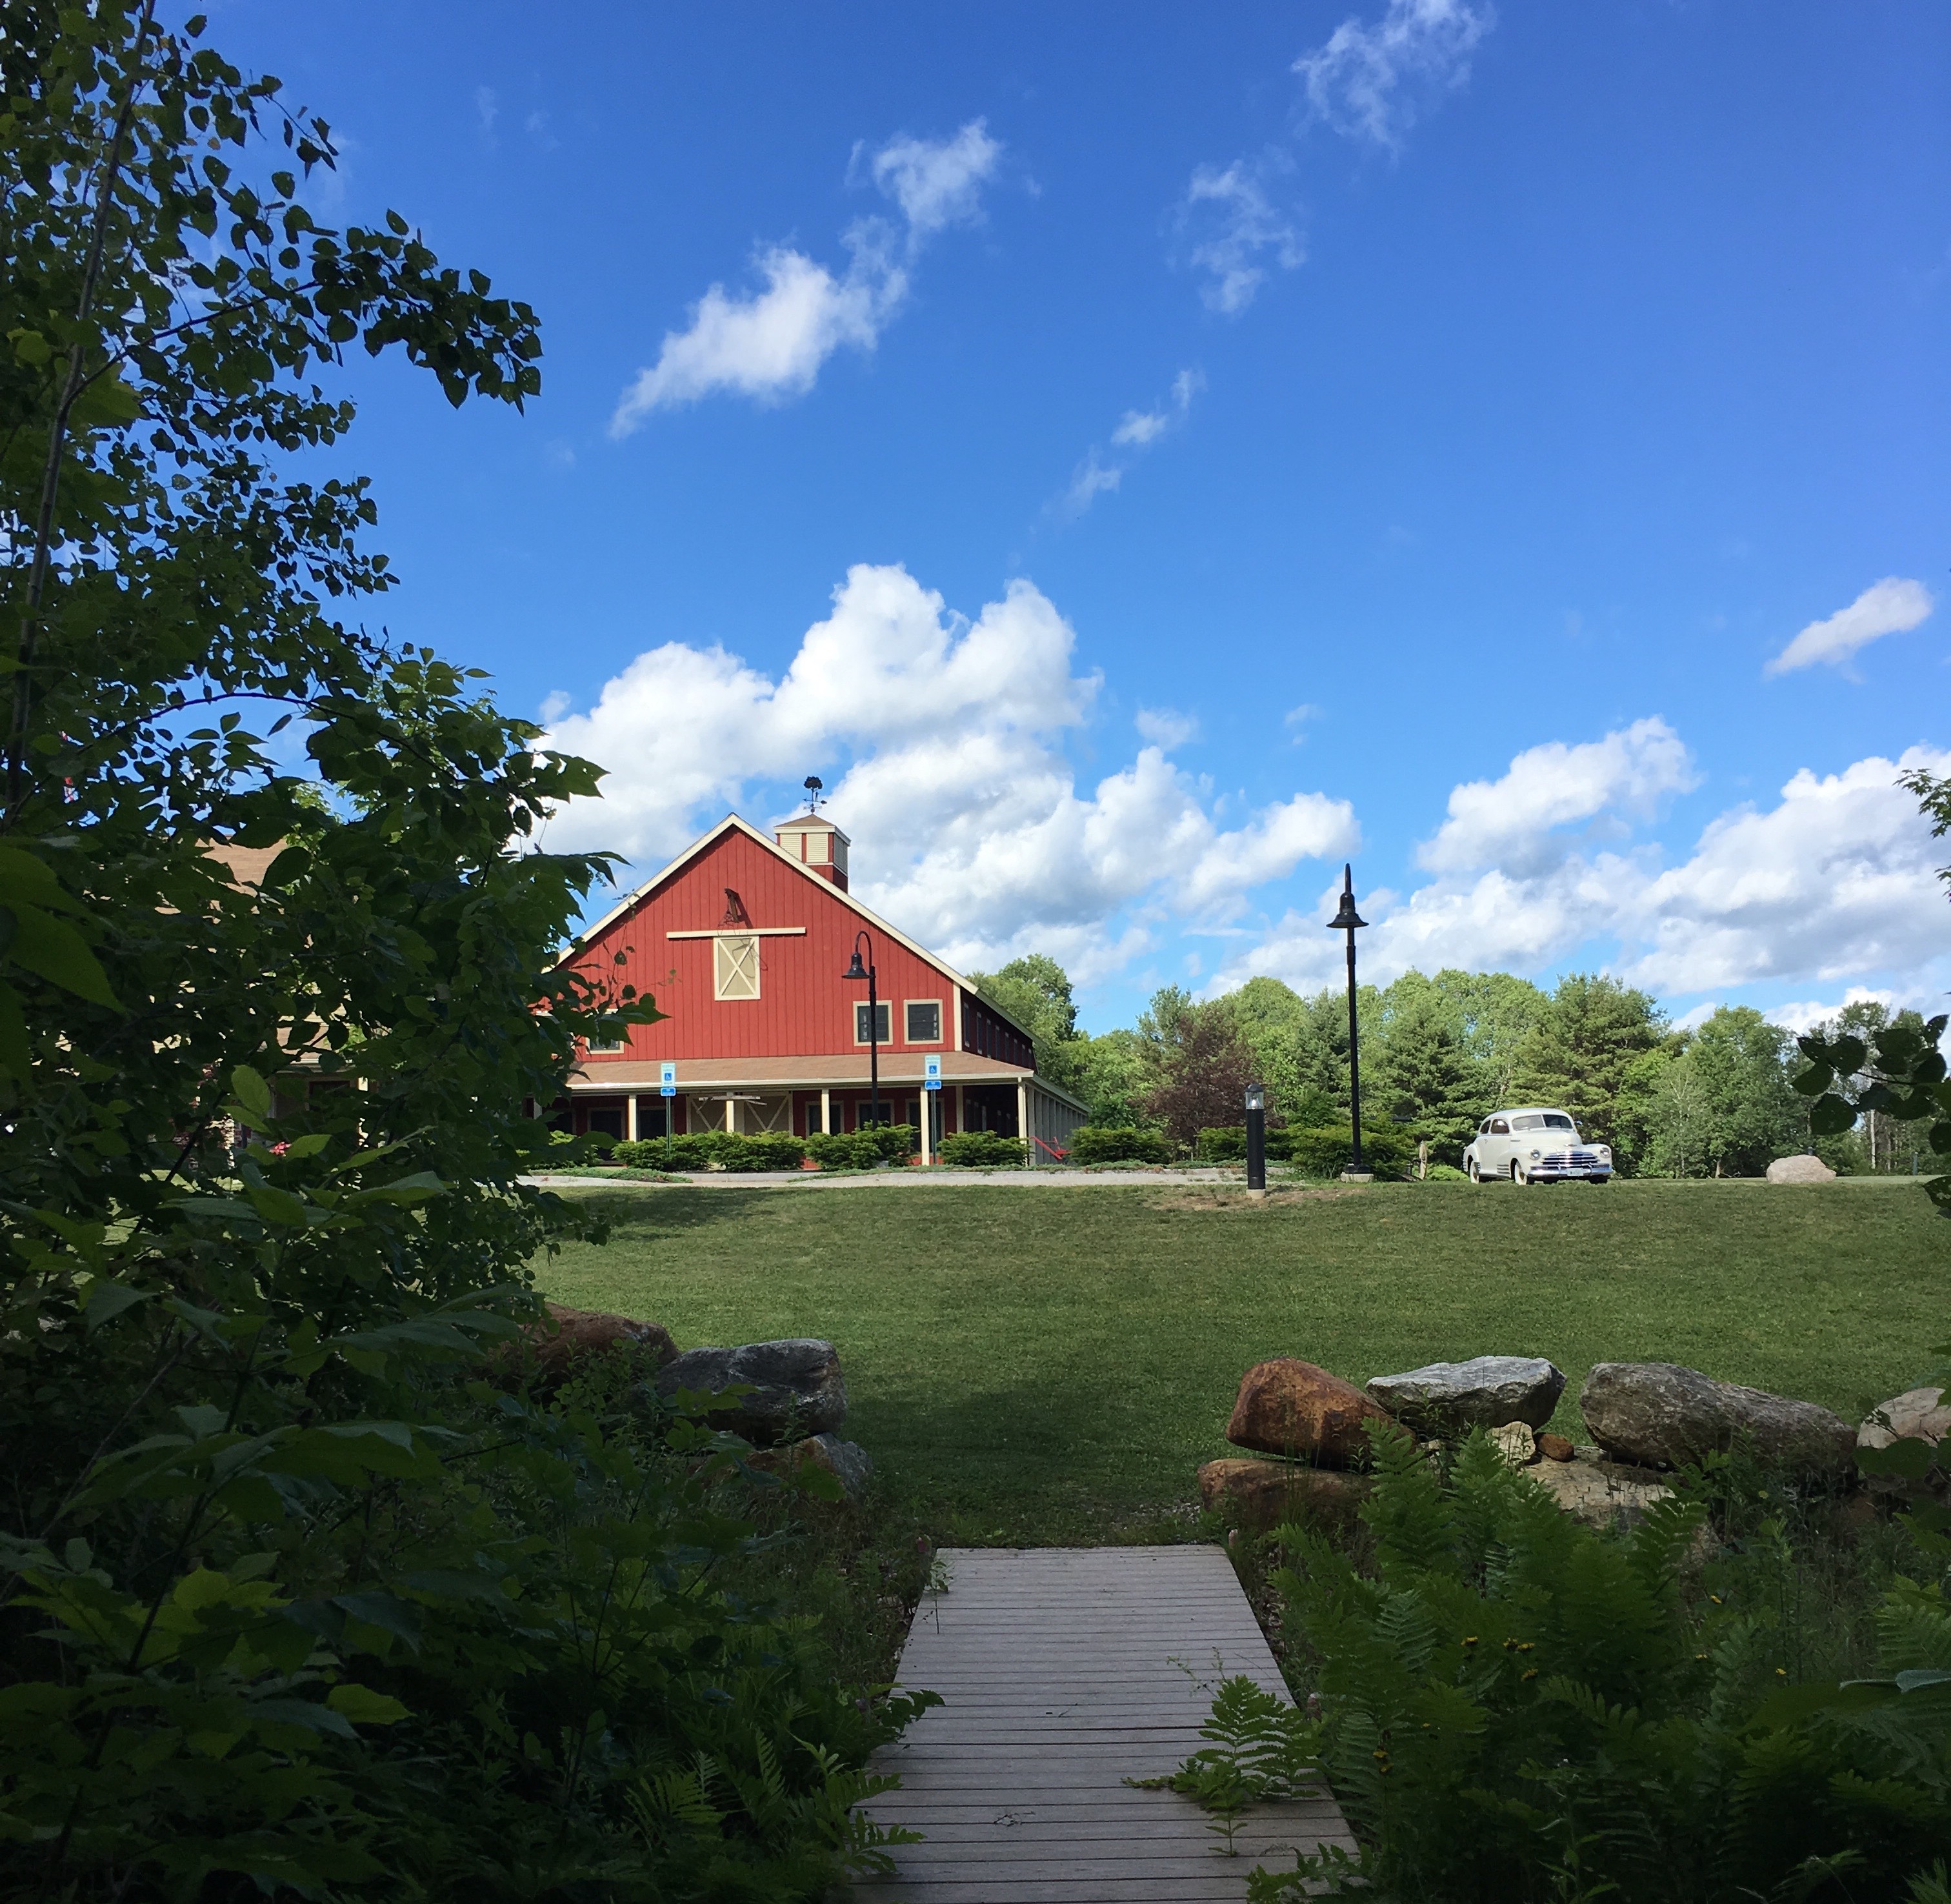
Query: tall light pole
x=1346, y=920
x=1257, y=1140
x=857, y=971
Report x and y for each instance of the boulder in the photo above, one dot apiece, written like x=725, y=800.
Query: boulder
x=1515, y=1443
x=569, y=1336
x=1295, y=1408
x=1486, y=1393
x=796, y=1388
x=1256, y=1495
x=847, y=1462
x=1555, y=1447
x=1658, y=1415
x=1800, y=1170
x=1600, y=1492
x=1917, y=1414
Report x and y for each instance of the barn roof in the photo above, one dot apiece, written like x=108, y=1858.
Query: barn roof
x=732, y=823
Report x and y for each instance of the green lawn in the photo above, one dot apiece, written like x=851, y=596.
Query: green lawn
x=1054, y=1364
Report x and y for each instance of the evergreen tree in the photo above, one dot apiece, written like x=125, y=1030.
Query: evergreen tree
x=1579, y=1054
x=1425, y=1079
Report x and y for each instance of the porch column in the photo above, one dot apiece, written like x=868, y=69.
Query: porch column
x=825, y=1108
x=731, y=1115
x=1023, y=1115
x=961, y=1111
x=630, y=1117
x=927, y=1114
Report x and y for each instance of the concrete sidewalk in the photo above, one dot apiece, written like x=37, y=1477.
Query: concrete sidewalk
x=937, y=1176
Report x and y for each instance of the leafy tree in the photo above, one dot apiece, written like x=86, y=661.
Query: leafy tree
x=1115, y=1075
x=1035, y=991
x=1497, y=1012
x=1752, y=1114
x=1578, y=1054
x=291, y=1601
x=1204, y=1067
x=1270, y=1016
x=1675, y=1115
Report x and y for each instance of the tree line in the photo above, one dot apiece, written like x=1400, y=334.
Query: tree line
x=1438, y=1054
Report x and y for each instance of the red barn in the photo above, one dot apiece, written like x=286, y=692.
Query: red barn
x=745, y=941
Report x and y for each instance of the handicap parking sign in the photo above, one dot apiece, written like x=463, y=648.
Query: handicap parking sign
x=668, y=1086
x=931, y=1073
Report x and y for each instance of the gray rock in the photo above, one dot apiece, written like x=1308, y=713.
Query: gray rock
x=1600, y=1493
x=847, y=1462
x=796, y=1388
x=1487, y=1392
x=1515, y=1443
x=1659, y=1415
x=1800, y=1170
x=1918, y=1414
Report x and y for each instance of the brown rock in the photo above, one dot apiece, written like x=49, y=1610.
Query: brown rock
x=1555, y=1447
x=569, y=1336
x=1918, y=1415
x=1256, y=1495
x=1295, y=1408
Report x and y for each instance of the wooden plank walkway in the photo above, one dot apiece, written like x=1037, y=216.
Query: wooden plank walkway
x=1065, y=1672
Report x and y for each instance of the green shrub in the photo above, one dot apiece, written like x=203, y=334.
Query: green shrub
x=1118, y=1144
x=662, y=1154
x=983, y=1150
x=843, y=1149
x=758, y=1150
x=1445, y=1173
x=1327, y=1150
x=1225, y=1144
x=895, y=1142
x=1517, y=1707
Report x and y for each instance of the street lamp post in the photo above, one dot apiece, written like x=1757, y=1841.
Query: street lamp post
x=1346, y=920
x=1257, y=1140
x=856, y=971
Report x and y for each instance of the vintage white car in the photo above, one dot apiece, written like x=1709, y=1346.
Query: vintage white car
x=1535, y=1145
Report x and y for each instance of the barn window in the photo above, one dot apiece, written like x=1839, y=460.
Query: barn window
x=737, y=966
x=881, y=1030
x=924, y=1020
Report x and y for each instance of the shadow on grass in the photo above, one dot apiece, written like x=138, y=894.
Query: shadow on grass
x=674, y=1209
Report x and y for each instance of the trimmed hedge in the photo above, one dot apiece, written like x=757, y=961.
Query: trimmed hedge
x=984, y=1150
x=1327, y=1151
x=1227, y=1144
x=1118, y=1144
x=844, y=1149
x=708, y=1149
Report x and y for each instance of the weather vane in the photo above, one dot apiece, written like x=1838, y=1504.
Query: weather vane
x=813, y=784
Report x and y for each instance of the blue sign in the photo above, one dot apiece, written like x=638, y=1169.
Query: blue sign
x=931, y=1074
x=668, y=1072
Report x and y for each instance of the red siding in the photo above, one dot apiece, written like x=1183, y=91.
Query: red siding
x=804, y=1008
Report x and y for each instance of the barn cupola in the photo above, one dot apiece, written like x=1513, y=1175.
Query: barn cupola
x=818, y=845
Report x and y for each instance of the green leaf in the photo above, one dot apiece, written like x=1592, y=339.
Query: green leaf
x=250, y=1090
x=276, y=1205
x=1830, y=1116
x=30, y=347
x=106, y=1298
x=1813, y=1082
x=364, y=1706
x=54, y=950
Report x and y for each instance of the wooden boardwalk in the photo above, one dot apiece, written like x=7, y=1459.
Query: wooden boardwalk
x=1065, y=1671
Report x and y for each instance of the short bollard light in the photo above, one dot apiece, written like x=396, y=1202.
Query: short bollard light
x=1257, y=1140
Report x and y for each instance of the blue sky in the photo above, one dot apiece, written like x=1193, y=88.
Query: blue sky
x=1140, y=456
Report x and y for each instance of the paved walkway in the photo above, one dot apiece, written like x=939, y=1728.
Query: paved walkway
x=1060, y=1668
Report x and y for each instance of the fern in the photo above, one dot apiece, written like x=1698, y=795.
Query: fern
x=1262, y=1747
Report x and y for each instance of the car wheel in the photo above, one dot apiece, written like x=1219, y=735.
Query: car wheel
x=1470, y=1170
x=1518, y=1177
x=1598, y=1180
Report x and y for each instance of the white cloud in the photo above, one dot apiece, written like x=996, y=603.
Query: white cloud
x=1834, y=881
x=1245, y=233
x=1165, y=727
x=770, y=344
x=1368, y=82
x=970, y=830
x=1512, y=822
x=487, y=109
x=937, y=183
x=1137, y=430
x=1892, y=606
x=1297, y=719
x=1804, y=1014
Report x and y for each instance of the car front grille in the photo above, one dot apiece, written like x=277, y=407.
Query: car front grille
x=1570, y=1160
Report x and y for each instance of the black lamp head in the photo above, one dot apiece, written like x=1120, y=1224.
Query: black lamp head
x=1347, y=919
x=856, y=969
x=1256, y=1097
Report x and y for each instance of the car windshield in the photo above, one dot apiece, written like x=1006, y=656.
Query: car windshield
x=1558, y=1121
